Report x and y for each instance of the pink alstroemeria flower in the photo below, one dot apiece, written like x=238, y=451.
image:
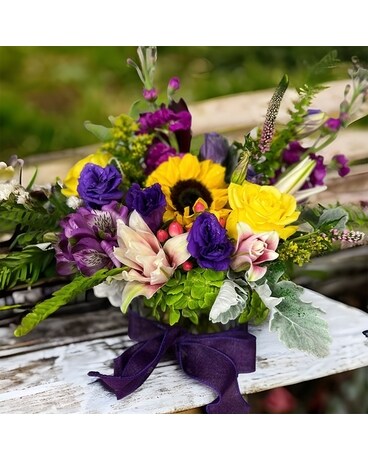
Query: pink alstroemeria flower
x=151, y=265
x=253, y=249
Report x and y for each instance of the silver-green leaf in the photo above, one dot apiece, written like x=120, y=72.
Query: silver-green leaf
x=101, y=132
x=230, y=302
x=299, y=324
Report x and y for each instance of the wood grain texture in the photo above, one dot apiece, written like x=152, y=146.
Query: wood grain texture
x=54, y=380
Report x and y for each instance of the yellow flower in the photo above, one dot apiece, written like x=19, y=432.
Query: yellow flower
x=71, y=180
x=186, y=181
x=264, y=208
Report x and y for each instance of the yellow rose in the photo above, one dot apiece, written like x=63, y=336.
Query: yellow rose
x=263, y=208
x=71, y=180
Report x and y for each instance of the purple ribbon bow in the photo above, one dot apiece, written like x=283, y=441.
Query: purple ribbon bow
x=213, y=359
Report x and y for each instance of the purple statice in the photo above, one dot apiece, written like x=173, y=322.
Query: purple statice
x=87, y=240
x=150, y=95
x=292, y=153
x=149, y=202
x=157, y=153
x=333, y=124
x=99, y=186
x=209, y=244
x=215, y=147
x=341, y=163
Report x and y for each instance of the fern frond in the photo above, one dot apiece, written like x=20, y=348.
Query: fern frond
x=61, y=297
x=24, y=266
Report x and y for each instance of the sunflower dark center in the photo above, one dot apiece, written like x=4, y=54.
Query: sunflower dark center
x=186, y=193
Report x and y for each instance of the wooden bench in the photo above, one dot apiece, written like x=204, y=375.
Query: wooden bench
x=46, y=372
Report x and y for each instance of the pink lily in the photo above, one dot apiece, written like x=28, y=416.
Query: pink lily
x=253, y=249
x=151, y=265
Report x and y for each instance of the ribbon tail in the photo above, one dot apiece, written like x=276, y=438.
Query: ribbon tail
x=216, y=370
x=135, y=365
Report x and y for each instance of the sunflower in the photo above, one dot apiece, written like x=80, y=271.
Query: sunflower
x=188, y=182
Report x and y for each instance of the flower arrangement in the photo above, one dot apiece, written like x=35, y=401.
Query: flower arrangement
x=192, y=245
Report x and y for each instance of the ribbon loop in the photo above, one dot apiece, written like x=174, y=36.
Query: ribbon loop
x=213, y=359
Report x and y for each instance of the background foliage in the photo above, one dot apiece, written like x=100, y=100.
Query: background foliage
x=46, y=93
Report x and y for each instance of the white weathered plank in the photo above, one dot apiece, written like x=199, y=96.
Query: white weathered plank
x=55, y=380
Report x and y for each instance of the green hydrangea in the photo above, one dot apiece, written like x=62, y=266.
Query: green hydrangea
x=187, y=295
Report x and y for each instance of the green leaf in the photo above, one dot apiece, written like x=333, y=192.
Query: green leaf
x=255, y=310
x=337, y=217
x=138, y=107
x=299, y=324
x=10, y=307
x=101, y=132
x=25, y=267
x=174, y=317
x=61, y=297
x=274, y=272
x=32, y=181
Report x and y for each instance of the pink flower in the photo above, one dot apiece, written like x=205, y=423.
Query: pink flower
x=151, y=265
x=253, y=249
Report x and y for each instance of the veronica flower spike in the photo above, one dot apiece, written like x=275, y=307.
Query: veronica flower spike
x=151, y=265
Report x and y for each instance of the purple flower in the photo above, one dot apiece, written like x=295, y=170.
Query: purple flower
x=292, y=153
x=333, y=124
x=87, y=240
x=157, y=154
x=215, y=148
x=319, y=172
x=150, y=95
x=149, y=202
x=342, y=164
x=174, y=84
x=209, y=244
x=99, y=186
x=184, y=134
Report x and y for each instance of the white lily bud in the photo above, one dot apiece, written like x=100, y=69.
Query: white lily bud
x=296, y=176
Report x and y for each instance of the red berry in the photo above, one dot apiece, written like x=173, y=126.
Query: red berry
x=187, y=266
x=162, y=236
x=175, y=228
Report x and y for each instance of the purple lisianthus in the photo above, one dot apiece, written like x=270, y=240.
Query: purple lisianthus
x=149, y=202
x=87, y=240
x=215, y=148
x=209, y=244
x=292, y=153
x=157, y=154
x=342, y=164
x=98, y=186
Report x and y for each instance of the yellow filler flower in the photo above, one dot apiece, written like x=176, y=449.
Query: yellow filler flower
x=71, y=180
x=263, y=207
x=185, y=182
